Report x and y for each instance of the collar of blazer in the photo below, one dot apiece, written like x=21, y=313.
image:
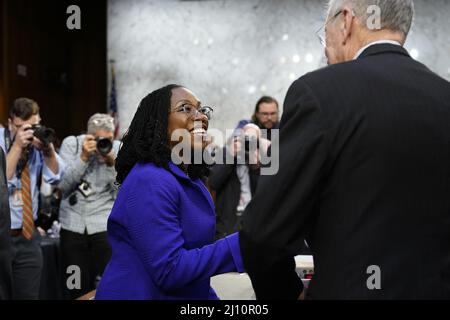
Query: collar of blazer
x=383, y=48
x=177, y=172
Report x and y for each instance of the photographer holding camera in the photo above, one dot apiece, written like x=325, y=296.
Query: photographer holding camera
x=266, y=116
x=235, y=183
x=88, y=194
x=30, y=158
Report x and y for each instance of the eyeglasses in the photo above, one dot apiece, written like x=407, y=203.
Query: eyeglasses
x=321, y=32
x=18, y=126
x=192, y=111
x=268, y=114
x=99, y=122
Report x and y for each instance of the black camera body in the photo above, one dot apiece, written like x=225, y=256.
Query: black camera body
x=249, y=143
x=44, y=134
x=104, y=146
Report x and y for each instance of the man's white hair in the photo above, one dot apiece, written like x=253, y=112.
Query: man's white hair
x=100, y=121
x=396, y=15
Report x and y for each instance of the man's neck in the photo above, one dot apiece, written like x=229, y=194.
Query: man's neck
x=374, y=43
x=374, y=37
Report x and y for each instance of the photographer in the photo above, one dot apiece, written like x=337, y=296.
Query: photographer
x=31, y=158
x=88, y=194
x=235, y=183
x=266, y=116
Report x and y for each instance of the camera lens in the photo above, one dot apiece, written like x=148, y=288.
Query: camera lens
x=104, y=146
x=46, y=135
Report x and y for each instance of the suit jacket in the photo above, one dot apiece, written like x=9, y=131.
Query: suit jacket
x=161, y=231
x=5, y=238
x=365, y=177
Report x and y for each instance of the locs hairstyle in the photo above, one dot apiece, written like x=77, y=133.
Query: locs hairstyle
x=146, y=139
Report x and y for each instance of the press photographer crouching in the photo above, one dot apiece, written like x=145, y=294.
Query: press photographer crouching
x=235, y=183
x=30, y=159
x=88, y=193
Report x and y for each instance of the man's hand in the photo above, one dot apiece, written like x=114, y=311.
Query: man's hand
x=89, y=147
x=48, y=151
x=235, y=147
x=302, y=296
x=41, y=231
x=110, y=158
x=22, y=140
x=24, y=137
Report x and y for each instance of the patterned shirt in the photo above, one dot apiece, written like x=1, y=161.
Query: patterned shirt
x=88, y=213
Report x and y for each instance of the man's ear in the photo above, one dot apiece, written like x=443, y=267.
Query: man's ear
x=347, y=24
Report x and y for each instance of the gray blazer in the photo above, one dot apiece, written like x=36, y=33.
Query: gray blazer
x=5, y=238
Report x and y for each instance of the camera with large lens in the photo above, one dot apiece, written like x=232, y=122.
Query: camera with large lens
x=44, y=134
x=104, y=146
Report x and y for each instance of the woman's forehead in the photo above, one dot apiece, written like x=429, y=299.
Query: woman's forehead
x=181, y=93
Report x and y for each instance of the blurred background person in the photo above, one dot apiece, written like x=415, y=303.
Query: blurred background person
x=5, y=238
x=235, y=183
x=266, y=115
x=30, y=158
x=88, y=193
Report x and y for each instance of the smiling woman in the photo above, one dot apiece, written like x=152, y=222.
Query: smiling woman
x=187, y=114
x=162, y=226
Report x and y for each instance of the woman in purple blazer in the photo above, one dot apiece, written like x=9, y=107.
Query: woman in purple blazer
x=162, y=225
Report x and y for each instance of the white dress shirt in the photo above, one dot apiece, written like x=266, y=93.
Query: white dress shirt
x=374, y=43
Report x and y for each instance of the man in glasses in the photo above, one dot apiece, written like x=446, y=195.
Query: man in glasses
x=88, y=194
x=266, y=115
x=364, y=170
x=30, y=158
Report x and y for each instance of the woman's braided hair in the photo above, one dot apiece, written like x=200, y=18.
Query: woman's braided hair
x=146, y=140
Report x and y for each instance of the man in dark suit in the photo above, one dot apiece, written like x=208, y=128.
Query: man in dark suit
x=5, y=238
x=364, y=171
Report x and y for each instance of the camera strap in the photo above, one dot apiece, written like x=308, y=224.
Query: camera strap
x=88, y=170
x=76, y=150
x=8, y=145
x=7, y=137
